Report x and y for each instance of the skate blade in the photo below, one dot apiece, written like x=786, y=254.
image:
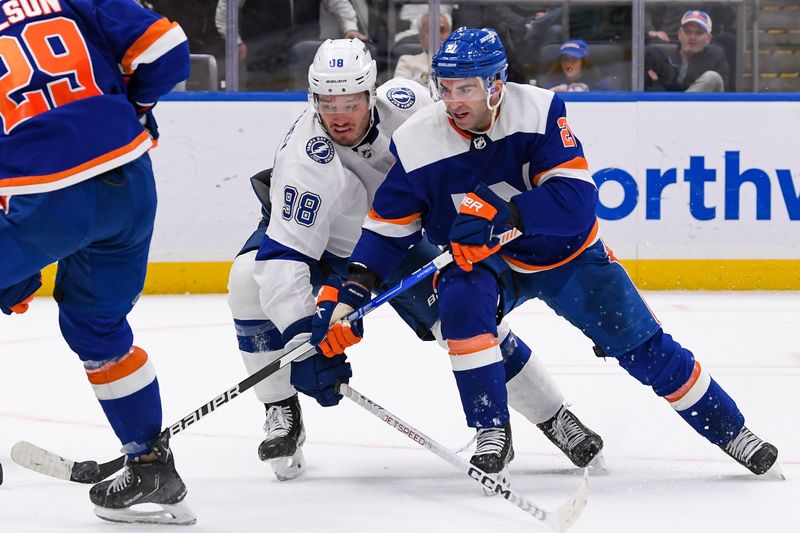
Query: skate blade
x=775, y=472
x=598, y=466
x=178, y=514
x=286, y=468
x=504, y=480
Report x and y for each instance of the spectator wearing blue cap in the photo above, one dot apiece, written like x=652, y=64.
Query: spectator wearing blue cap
x=573, y=70
x=693, y=65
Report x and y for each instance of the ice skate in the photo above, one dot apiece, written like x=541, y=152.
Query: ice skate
x=751, y=452
x=493, y=452
x=144, y=493
x=282, y=448
x=580, y=444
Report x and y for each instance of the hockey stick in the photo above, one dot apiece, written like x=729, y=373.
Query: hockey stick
x=560, y=520
x=45, y=462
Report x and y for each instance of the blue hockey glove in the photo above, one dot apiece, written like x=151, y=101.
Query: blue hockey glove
x=481, y=217
x=317, y=376
x=15, y=299
x=335, y=301
x=147, y=119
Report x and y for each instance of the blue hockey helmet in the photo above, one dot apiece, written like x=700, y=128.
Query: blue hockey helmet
x=471, y=53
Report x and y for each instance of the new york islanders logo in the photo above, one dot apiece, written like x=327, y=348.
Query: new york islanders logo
x=320, y=149
x=401, y=97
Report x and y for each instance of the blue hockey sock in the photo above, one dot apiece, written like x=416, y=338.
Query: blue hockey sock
x=515, y=354
x=127, y=389
x=674, y=374
x=483, y=395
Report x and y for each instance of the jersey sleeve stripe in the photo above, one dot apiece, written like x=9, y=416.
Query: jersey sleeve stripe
x=394, y=228
x=578, y=164
x=161, y=37
x=98, y=165
x=525, y=268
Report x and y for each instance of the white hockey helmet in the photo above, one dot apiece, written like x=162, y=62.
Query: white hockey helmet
x=342, y=66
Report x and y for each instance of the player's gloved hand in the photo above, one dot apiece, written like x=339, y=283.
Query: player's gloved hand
x=317, y=376
x=481, y=217
x=335, y=301
x=15, y=299
x=147, y=119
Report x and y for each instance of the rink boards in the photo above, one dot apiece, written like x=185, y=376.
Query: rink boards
x=695, y=193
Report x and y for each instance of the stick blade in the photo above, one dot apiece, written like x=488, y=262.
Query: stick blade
x=32, y=457
x=570, y=511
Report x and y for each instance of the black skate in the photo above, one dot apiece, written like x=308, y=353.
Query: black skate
x=493, y=452
x=144, y=483
x=751, y=452
x=285, y=437
x=579, y=443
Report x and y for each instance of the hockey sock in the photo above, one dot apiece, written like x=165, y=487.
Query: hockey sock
x=483, y=396
x=260, y=344
x=127, y=389
x=673, y=373
x=531, y=390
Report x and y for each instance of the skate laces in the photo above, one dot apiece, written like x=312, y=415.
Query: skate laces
x=567, y=430
x=122, y=481
x=490, y=441
x=279, y=421
x=744, y=445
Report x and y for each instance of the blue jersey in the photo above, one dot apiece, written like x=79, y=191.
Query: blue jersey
x=530, y=155
x=71, y=72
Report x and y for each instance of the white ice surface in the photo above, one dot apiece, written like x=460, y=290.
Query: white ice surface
x=365, y=477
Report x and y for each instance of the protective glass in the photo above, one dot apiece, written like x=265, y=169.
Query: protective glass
x=461, y=89
x=345, y=103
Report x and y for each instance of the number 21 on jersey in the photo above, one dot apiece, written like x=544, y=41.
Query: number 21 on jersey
x=59, y=51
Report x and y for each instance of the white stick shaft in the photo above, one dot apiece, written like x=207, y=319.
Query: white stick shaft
x=567, y=514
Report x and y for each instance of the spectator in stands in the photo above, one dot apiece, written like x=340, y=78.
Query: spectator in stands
x=418, y=67
x=693, y=65
x=269, y=28
x=573, y=70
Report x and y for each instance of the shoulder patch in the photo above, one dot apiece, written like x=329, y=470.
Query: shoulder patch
x=401, y=97
x=320, y=149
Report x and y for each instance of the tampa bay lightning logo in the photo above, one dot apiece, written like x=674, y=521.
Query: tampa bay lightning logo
x=402, y=97
x=320, y=149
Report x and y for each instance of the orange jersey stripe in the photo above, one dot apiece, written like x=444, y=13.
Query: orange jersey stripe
x=578, y=163
x=153, y=33
x=50, y=178
x=472, y=345
x=680, y=393
x=459, y=130
x=399, y=221
x=117, y=370
x=539, y=268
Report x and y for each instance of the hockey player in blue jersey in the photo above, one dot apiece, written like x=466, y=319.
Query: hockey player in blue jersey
x=315, y=200
x=491, y=156
x=78, y=79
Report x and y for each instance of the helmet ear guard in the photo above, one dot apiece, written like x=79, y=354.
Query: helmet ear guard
x=342, y=66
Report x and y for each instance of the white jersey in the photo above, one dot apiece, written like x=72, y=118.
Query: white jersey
x=321, y=193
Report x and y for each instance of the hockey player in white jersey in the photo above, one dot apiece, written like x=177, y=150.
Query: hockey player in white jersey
x=314, y=201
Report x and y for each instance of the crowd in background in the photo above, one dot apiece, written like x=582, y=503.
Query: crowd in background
x=588, y=48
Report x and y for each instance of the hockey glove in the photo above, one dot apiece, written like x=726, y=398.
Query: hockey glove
x=317, y=376
x=15, y=299
x=147, y=119
x=335, y=301
x=481, y=217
